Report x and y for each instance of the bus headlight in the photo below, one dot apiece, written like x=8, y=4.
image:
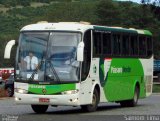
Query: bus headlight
x=22, y=91
x=69, y=92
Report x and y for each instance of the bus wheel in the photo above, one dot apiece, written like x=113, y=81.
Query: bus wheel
x=39, y=108
x=92, y=107
x=133, y=102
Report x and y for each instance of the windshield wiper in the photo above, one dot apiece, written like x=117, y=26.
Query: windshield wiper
x=54, y=72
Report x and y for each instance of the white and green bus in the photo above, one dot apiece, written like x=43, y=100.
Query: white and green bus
x=82, y=65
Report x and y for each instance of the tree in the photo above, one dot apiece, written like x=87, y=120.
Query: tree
x=108, y=12
x=25, y=3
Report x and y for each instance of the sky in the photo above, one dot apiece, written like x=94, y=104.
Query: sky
x=138, y=1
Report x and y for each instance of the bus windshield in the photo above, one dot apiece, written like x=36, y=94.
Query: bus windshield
x=48, y=57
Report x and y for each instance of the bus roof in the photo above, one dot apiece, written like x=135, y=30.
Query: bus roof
x=79, y=26
x=61, y=26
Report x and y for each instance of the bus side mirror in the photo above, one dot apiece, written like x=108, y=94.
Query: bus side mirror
x=80, y=52
x=7, y=51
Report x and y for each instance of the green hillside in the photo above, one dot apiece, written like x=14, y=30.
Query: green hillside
x=100, y=12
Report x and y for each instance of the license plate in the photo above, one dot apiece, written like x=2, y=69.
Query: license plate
x=44, y=100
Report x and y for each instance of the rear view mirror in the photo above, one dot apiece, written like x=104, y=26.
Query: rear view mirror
x=80, y=51
x=8, y=48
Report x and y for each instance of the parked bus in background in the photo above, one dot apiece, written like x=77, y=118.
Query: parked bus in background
x=156, y=70
x=82, y=65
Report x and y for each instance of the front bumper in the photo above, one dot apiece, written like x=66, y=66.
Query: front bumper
x=71, y=100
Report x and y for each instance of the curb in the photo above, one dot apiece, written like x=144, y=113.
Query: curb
x=3, y=98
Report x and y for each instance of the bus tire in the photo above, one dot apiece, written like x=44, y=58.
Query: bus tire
x=39, y=108
x=133, y=102
x=95, y=100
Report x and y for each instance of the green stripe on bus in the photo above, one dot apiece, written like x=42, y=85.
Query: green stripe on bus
x=50, y=89
x=122, y=77
x=114, y=29
x=144, y=32
x=147, y=32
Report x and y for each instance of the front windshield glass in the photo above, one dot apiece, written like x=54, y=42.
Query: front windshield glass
x=32, y=49
x=48, y=57
x=62, y=56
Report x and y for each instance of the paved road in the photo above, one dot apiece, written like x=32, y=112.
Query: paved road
x=107, y=111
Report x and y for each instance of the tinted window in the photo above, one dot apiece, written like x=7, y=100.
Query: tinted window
x=142, y=46
x=113, y=44
x=125, y=45
x=87, y=55
x=106, y=42
x=133, y=46
x=149, y=46
x=97, y=43
x=116, y=44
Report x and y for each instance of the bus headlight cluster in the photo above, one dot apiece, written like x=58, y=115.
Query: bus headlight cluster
x=69, y=92
x=22, y=91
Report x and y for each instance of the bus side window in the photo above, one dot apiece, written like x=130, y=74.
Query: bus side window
x=116, y=45
x=125, y=45
x=97, y=37
x=133, y=46
x=149, y=46
x=106, y=43
x=142, y=46
x=87, y=55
